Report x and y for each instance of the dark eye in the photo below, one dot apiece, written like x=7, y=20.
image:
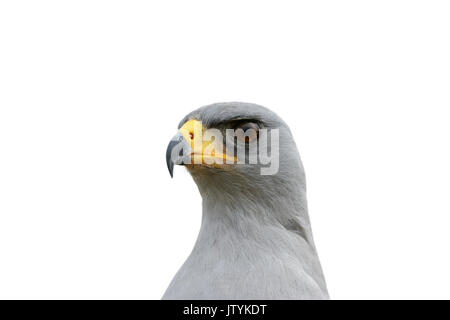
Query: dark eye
x=247, y=131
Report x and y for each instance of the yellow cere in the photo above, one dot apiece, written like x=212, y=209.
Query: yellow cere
x=204, y=152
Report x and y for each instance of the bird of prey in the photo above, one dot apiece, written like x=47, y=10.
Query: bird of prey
x=255, y=240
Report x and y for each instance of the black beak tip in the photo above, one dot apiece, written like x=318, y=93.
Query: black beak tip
x=169, y=161
x=170, y=167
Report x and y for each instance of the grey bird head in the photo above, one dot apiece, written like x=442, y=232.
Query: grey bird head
x=225, y=116
x=242, y=179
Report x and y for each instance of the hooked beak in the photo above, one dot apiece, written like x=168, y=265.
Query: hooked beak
x=187, y=147
x=177, y=149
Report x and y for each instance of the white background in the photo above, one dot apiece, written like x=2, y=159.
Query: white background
x=92, y=91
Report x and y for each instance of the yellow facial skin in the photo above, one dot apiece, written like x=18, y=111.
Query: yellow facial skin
x=204, y=151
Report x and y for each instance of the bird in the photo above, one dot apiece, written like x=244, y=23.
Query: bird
x=255, y=239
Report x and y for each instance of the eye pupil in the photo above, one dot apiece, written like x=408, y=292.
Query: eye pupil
x=249, y=136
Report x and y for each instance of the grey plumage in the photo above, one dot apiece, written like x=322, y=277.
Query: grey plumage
x=255, y=240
